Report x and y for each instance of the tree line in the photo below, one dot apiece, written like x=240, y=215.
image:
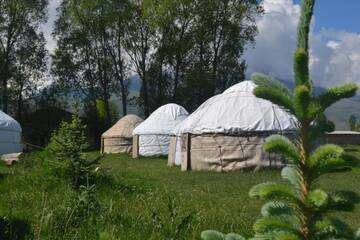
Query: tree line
x=183, y=51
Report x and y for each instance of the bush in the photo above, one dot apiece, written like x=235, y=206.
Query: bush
x=68, y=145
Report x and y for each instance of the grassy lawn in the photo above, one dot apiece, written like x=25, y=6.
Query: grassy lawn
x=140, y=199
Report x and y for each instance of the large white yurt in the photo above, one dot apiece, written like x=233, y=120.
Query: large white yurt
x=10, y=135
x=227, y=131
x=118, y=139
x=152, y=136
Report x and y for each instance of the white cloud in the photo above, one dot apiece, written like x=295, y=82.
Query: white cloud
x=335, y=55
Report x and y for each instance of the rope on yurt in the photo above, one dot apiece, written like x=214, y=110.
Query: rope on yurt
x=158, y=142
x=220, y=152
x=243, y=154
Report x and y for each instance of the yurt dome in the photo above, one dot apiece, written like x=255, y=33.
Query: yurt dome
x=118, y=139
x=235, y=111
x=10, y=135
x=227, y=131
x=154, y=133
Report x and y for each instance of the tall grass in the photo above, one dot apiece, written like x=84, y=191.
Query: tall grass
x=137, y=199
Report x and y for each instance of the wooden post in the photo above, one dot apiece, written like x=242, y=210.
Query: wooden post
x=186, y=162
x=172, y=151
x=135, y=147
x=102, y=146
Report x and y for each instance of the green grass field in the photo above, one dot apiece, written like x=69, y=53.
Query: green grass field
x=140, y=199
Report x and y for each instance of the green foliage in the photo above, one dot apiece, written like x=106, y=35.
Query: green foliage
x=307, y=8
x=179, y=223
x=183, y=51
x=68, y=145
x=101, y=111
x=334, y=94
x=282, y=145
x=276, y=96
x=353, y=125
x=301, y=68
x=134, y=190
x=300, y=210
x=23, y=56
x=89, y=57
x=326, y=158
x=274, y=192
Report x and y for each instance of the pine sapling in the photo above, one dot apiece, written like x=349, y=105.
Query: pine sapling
x=68, y=145
x=298, y=211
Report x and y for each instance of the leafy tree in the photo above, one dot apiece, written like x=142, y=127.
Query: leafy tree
x=197, y=48
x=139, y=38
x=353, y=124
x=100, y=106
x=299, y=211
x=173, y=23
x=90, y=56
x=183, y=51
x=22, y=49
x=68, y=145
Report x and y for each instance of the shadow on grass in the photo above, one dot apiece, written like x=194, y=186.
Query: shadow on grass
x=3, y=176
x=352, y=160
x=14, y=229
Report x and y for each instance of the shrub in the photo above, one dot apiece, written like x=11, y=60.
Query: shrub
x=68, y=145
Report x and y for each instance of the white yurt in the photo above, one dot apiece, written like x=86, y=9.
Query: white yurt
x=152, y=136
x=227, y=131
x=10, y=135
x=118, y=139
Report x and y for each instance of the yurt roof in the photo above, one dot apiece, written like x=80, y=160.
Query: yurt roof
x=245, y=86
x=237, y=110
x=8, y=123
x=123, y=127
x=163, y=120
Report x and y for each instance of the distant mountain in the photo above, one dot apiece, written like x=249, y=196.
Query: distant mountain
x=134, y=83
x=340, y=112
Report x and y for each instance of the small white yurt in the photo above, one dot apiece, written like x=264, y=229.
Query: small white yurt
x=10, y=135
x=152, y=137
x=227, y=131
x=118, y=139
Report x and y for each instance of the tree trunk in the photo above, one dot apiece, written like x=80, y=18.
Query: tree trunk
x=123, y=98
x=145, y=93
x=106, y=100
x=107, y=111
x=5, y=94
x=121, y=78
x=19, y=106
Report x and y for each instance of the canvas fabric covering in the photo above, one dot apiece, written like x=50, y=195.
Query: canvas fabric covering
x=10, y=135
x=237, y=111
x=154, y=133
x=227, y=131
x=226, y=153
x=118, y=139
x=175, y=151
x=153, y=145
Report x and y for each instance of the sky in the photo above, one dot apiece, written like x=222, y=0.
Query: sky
x=335, y=14
x=334, y=43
